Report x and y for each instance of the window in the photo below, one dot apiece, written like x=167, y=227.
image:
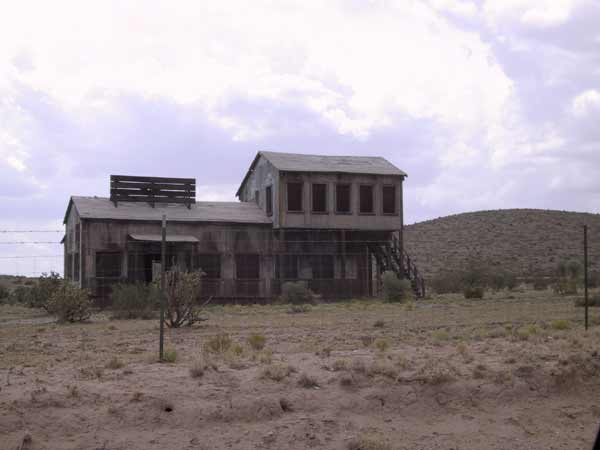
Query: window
x=247, y=267
x=294, y=197
x=269, y=200
x=210, y=264
x=342, y=198
x=366, y=199
x=389, y=199
x=322, y=267
x=108, y=265
x=319, y=198
x=256, y=197
x=289, y=267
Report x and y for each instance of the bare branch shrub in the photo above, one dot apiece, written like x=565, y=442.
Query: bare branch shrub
x=182, y=298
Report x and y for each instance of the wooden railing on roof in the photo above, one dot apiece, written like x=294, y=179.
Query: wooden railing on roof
x=125, y=188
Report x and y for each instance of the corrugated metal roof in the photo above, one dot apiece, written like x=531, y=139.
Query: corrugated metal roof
x=227, y=212
x=158, y=238
x=295, y=162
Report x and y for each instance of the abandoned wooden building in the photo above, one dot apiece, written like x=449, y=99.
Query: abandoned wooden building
x=334, y=222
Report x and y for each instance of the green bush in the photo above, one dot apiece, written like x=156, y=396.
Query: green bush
x=296, y=293
x=474, y=292
x=4, y=292
x=70, y=303
x=43, y=291
x=540, y=283
x=257, y=341
x=447, y=283
x=20, y=295
x=395, y=289
x=134, y=301
x=593, y=300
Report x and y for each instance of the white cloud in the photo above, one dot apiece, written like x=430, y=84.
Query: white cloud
x=587, y=102
x=534, y=13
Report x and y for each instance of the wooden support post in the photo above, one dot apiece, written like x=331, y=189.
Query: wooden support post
x=163, y=286
x=343, y=254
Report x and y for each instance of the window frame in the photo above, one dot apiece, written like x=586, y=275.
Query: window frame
x=373, y=199
x=287, y=197
x=312, y=198
x=197, y=264
x=101, y=253
x=337, y=211
x=395, y=188
x=269, y=200
x=258, y=268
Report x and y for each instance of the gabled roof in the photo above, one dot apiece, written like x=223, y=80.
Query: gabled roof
x=296, y=162
x=224, y=212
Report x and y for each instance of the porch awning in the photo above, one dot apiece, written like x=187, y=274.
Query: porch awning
x=158, y=238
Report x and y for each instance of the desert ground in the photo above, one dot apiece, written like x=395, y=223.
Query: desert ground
x=513, y=371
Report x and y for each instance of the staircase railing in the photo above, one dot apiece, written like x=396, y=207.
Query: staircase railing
x=408, y=267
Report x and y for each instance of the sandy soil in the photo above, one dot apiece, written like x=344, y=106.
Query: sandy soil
x=446, y=374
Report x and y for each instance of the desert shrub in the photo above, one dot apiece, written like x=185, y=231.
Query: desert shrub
x=4, y=292
x=277, y=372
x=382, y=345
x=41, y=293
x=473, y=292
x=395, y=289
x=257, y=341
x=296, y=293
x=20, y=295
x=218, y=343
x=502, y=280
x=565, y=286
x=169, y=355
x=115, y=363
x=540, y=283
x=70, y=303
x=182, y=290
x=307, y=381
x=379, y=324
x=134, y=301
x=560, y=324
x=447, y=283
x=475, y=274
x=299, y=309
x=593, y=300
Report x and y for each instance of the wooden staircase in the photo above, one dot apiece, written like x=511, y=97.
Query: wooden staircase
x=391, y=257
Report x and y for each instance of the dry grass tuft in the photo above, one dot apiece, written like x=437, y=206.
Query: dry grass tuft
x=218, y=343
x=277, y=372
x=257, y=341
x=169, y=355
x=340, y=364
x=382, y=345
x=307, y=381
x=115, y=363
x=379, y=324
x=560, y=324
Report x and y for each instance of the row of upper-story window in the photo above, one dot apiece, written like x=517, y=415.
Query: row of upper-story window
x=342, y=199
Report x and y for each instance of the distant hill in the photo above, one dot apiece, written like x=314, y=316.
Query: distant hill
x=525, y=242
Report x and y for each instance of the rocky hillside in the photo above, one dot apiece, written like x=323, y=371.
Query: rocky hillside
x=526, y=242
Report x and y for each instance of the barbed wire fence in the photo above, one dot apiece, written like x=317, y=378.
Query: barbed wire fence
x=517, y=308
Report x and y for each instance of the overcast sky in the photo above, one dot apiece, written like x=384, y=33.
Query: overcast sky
x=485, y=104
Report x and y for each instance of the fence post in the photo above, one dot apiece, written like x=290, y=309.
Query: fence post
x=163, y=262
x=585, y=274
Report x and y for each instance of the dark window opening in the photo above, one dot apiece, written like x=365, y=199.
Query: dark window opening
x=294, y=196
x=289, y=267
x=76, y=267
x=366, y=199
x=256, y=197
x=247, y=267
x=210, y=264
x=269, y=200
x=69, y=267
x=342, y=198
x=319, y=198
x=389, y=199
x=322, y=267
x=108, y=265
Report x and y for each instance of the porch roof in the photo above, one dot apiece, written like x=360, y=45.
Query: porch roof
x=158, y=238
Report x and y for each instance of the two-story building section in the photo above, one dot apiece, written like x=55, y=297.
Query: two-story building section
x=334, y=222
